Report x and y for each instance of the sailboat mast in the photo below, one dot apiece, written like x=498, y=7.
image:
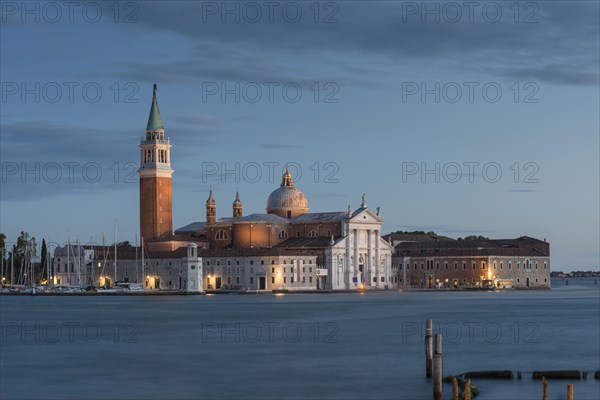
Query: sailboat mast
x=78, y=264
x=143, y=269
x=68, y=258
x=137, y=265
x=115, y=254
x=12, y=267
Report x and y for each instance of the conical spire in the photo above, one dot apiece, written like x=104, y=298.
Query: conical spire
x=287, y=179
x=237, y=201
x=211, y=199
x=154, y=120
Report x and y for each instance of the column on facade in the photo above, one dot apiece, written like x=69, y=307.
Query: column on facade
x=349, y=268
x=378, y=257
x=369, y=265
x=356, y=256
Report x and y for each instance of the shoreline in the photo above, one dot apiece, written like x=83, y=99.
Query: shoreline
x=259, y=292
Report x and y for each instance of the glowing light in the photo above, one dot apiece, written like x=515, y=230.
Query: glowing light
x=279, y=294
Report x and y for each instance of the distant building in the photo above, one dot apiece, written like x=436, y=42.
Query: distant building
x=424, y=261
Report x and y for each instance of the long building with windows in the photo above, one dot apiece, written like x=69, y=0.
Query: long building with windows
x=429, y=261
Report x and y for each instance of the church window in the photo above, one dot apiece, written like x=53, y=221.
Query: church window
x=221, y=235
x=283, y=235
x=313, y=234
x=298, y=234
x=272, y=261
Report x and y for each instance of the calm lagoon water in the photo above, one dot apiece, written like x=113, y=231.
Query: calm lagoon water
x=297, y=346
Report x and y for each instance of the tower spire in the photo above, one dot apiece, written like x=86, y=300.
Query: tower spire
x=154, y=119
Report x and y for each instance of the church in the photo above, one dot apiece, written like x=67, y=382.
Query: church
x=286, y=248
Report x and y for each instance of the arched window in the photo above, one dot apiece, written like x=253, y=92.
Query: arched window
x=313, y=234
x=283, y=235
x=221, y=235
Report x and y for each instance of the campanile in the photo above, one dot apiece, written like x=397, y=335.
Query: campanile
x=156, y=213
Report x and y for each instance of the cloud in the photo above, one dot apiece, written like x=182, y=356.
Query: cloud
x=561, y=46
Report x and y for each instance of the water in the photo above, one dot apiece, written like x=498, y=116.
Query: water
x=318, y=346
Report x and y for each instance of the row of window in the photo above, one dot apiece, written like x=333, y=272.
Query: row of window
x=223, y=235
x=429, y=265
x=262, y=262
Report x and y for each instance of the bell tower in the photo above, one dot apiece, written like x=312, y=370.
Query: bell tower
x=156, y=213
x=237, y=206
x=211, y=209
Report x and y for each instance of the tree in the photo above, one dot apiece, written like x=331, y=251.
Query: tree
x=43, y=258
x=476, y=237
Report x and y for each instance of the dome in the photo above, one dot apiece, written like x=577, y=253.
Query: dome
x=287, y=201
x=288, y=198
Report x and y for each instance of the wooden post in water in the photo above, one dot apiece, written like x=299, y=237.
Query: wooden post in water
x=544, y=388
x=454, y=388
x=467, y=391
x=569, y=392
x=428, y=347
x=437, y=367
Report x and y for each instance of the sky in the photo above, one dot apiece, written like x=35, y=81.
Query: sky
x=461, y=118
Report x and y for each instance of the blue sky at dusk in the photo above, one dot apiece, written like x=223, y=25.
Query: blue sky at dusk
x=355, y=95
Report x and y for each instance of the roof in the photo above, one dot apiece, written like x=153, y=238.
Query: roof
x=303, y=242
x=414, y=237
x=321, y=217
x=261, y=218
x=523, y=246
x=154, y=120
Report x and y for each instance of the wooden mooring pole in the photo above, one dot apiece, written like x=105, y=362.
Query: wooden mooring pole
x=454, y=388
x=437, y=367
x=467, y=391
x=428, y=347
x=544, y=388
x=569, y=392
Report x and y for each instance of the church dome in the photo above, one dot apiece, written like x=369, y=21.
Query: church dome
x=287, y=201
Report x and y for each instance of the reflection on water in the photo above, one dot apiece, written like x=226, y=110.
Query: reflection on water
x=325, y=346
